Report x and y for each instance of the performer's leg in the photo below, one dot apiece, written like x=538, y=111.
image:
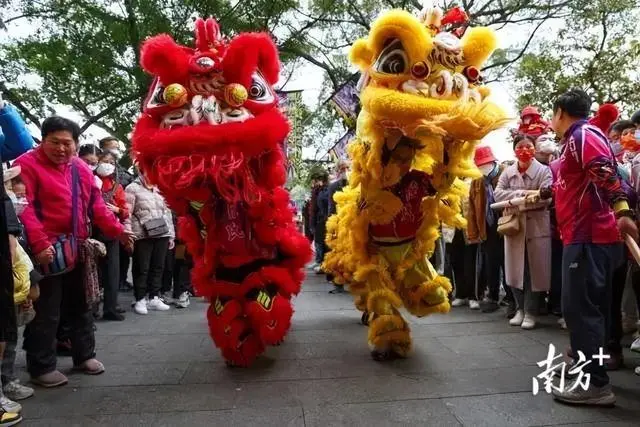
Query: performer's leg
x=231, y=331
x=424, y=291
x=268, y=302
x=389, y=335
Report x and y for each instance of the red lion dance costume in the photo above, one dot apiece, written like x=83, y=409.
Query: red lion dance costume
x=210, y=137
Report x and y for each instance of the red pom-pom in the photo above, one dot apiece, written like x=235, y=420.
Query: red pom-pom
x=604, y=118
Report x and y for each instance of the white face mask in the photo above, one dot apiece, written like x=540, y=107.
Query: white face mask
x=487, y=169
x=105, y=169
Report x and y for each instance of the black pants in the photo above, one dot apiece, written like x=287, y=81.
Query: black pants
x=109, y=272
x=182, y=276
x=555, y=292
x=169, y=269
x=462, y=258
x=59, y=294
x=587, y=272
x=176, y=274
x=615, y=325
x=149, y=257
x=492, y=262
x=635, y=282
x=125, y=262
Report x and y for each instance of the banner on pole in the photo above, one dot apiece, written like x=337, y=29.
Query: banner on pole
x=346, y=101
x=339, y=150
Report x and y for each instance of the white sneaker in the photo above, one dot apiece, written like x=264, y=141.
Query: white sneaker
x=635, y=346
x=183, y=301
x=517, y=319
x=16, y=391
x=140, y=307
x=9, y=405
x=529, y=321
x=157, y=304
x=459, y=302
x=637, y=370
x=474, y=305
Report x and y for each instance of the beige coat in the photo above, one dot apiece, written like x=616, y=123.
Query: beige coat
x=145, y=205
x=534, y=238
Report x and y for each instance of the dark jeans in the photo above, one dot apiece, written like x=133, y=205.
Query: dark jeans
x=635, y=283
x=492, y=259
x=321, y=249
x=59, y=294
x=169, y=268
x=176, y=274
x=148, y=264
x=615, y=325
x=587, y=272
x=555, y=292
x=109, y=273
x=9, y=363
x=462, y=259
x=125, y=262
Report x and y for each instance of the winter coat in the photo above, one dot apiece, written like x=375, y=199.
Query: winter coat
x=321, y=215
x=8, y=222
x=145, y=205
x=334, y=187
x=113, y=193
x=534, y=238
x=477, y=213
x=49, y=193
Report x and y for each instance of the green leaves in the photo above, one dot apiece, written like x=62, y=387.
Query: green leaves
x=597, y=51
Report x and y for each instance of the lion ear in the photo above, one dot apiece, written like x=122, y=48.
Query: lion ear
x=478, y=44
x=361, y=54
x=161, y=56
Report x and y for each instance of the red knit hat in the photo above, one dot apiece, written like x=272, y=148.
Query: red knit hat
x=604, y=118
x=484, y=155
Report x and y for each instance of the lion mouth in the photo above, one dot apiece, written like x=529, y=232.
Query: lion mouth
x=443, y=86
x=207, y=110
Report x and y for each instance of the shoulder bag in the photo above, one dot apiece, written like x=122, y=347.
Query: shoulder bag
x=65, y=247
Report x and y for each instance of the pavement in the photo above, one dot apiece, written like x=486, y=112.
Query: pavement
x=468, y=368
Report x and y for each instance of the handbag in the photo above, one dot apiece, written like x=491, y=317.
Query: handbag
x=509, y=224
x=65, y=247
x=155, y=227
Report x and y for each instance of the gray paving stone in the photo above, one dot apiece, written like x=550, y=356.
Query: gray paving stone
x=431, y=412
x=467, y=368
x=471, y=342
x=521, y=409
x=462, y=329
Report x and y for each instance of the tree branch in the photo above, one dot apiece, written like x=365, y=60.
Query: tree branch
x=111, y=108
x=304, y=55
x=520, y=55
x=134, y=35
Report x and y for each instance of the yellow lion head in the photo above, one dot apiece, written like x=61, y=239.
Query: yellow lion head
x=415, y=72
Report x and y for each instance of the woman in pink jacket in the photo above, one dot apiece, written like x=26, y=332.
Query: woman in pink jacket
x=50, y=173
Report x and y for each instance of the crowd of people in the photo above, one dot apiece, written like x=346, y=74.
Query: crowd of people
x=559, y=251
x=75, y=220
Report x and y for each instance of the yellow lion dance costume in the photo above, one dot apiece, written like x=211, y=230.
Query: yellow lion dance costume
x=423, y=112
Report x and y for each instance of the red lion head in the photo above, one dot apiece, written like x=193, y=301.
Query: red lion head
x=211, y=114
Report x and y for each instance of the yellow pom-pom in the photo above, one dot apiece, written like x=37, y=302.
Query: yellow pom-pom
x=235, y=94
x=175, y=95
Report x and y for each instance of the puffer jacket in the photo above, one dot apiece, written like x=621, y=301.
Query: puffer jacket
x=145, y=205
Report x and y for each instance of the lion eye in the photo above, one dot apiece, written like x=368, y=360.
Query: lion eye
x=393, y=59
